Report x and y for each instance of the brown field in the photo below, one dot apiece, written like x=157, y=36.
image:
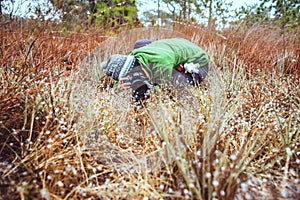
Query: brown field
x=65, y=134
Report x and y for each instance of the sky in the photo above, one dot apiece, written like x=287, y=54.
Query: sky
x=240, y=3
x=236, y=3
x=152, y=5
x=21, y=6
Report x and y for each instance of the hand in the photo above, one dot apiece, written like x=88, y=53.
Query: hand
x=123, y=84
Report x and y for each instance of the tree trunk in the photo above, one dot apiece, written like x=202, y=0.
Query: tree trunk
x=184, y=10
x=210, y=21
x=0, y=11
x=158, y=13
x=189, y=10
x=93, y=11
x=111, y=4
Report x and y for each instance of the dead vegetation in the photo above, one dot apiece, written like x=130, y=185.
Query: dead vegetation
x=66, y=135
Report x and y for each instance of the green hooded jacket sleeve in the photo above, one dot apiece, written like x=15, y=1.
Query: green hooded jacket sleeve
x=162, y=56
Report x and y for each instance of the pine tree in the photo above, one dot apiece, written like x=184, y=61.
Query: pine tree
x=210, y=11
x=116, y=13
x=283, y=13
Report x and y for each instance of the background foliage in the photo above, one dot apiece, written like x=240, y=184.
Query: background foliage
x=115, y=13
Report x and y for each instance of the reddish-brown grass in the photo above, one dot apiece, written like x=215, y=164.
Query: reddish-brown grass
x=244, y=135
x=259, y=46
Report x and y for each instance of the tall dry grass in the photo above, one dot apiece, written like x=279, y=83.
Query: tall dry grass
x=260, y=46
x=66, y=135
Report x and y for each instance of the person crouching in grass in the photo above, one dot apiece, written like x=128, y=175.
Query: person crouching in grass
x=174, y=61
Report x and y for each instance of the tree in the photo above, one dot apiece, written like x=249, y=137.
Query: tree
x=283, y=13
x=287, y=13
x=210, y=10
x=73, y=11
x=218, y=12
x=173, y=6
x=185, y=9
x=116, y=13
x=0, y=10
x=8, y=8
x=103, y=13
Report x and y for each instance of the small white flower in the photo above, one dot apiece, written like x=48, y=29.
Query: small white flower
x=293, y=172
x=233, y=157
x=107, y=181
x=275, y=150
x=215, y=183
x=222, y=193
x=218, y=153
x=24, y=183
x=161, y=187
x=15, y=132
x=60, y=184
x=185, y=191
x=288, y=151
x=208, y=175
x=244, y=187
x=248, y=196
x=75, y=171
x=147, y=186
x=99, y=168
x=284, y=193
x=45, y=193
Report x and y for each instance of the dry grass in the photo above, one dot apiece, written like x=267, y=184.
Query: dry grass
x=66, y=135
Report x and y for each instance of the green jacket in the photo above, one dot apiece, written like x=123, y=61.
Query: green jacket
x=162, y=56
